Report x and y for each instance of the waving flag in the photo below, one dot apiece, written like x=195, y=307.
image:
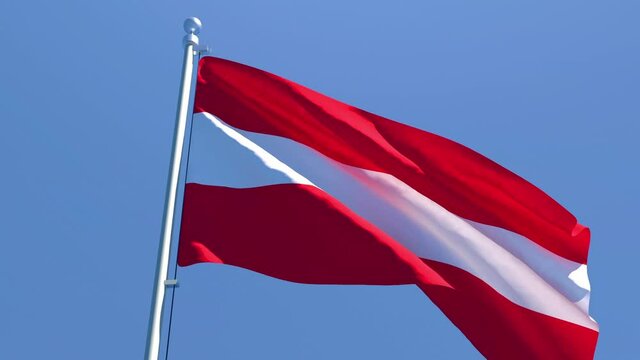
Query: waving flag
x=290, y=183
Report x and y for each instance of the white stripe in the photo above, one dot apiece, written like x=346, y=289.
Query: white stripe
x=518, y=268
x=245, y=158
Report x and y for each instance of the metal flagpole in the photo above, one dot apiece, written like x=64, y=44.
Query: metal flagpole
x=192, y=27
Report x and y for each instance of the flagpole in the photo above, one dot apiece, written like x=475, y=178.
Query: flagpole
x=192, y=27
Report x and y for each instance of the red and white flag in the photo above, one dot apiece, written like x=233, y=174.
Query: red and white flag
x=290, y=183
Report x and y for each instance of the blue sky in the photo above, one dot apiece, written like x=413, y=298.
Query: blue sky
x=549, y=89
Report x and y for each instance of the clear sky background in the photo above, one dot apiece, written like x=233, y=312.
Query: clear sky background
x=88, y=91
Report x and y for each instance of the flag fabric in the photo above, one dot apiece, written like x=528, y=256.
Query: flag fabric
x=293, y=184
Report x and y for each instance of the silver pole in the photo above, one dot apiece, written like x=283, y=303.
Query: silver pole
x=192, y=27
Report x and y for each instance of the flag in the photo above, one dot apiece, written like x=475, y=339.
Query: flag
x=288, y=182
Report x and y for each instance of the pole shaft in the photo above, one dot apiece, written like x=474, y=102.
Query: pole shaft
x=154, y=333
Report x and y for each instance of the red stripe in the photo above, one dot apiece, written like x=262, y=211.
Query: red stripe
x=299, y=233
x=459, y=179
x=500, y=329
x=293, y=232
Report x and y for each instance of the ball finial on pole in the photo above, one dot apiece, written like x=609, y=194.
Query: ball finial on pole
x=192, y=26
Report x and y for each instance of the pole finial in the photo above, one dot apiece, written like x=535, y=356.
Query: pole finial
x=192, y=26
